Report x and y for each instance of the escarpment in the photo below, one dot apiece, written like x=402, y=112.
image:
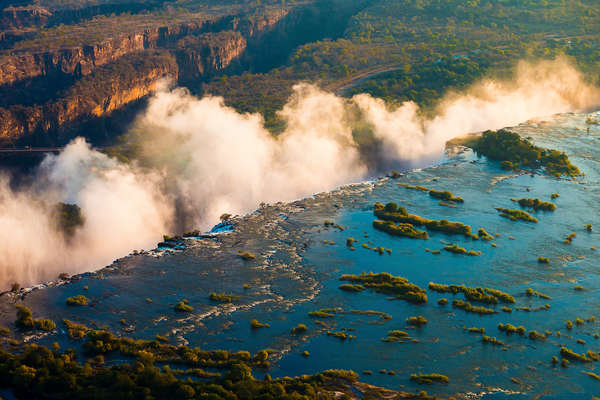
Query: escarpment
x=47, y=94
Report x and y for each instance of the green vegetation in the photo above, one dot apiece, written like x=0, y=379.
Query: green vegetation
x=342, y=335
x=223, y=297
x=183, y=307
x=25, y=321
x=592, y=375
x=68, y=217
x=380, y=314
x=492, y=340
x=419, y=320
x=254, y=324
x=391, y=212
x=588, y=227
x=352, y=288
x=79, y=300
x=531, y=293
x=401, y=229
x=476, y=330
x=45, y=325
x=510, y=329
x=536, y=204
x=454, y=248
x=298, y=329
x=569, y=239
x=516, y=215
x=481, y=295
x=24, y=317
x=569, y=354
x=578, y=288
x=429, y=378
x=543, y=260
x=554, y=196
x=323, y=313
x=34, y=371
x=504, y=145
x=445, y=195
x=443, y=301
x=466, y=306
x=386, y=283
x=75, y=330
x=483, y=235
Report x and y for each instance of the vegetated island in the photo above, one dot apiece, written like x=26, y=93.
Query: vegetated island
x=147, y=370
x=515, y=152
x=392, y=212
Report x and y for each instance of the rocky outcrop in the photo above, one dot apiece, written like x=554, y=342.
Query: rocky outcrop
x=118, y=71
x=97, y=95
x=204, y=55
x=21, y=17
x=82, y=60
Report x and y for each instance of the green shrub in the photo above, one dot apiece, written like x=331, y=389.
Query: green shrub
x=516, y=215
x=300, y=328
x=183, y=307
x=24, y=317
x=429, y=378
x=79, y=300
x=223, y=297
x=45, y=324
x=254, y=324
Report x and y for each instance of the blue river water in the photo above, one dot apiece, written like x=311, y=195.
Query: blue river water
x=287, y=284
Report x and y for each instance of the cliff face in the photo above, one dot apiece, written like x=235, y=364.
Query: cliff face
x=119, y=71
x=88, y=99
x=209, y=53
x=82, y=60
x=20, y=17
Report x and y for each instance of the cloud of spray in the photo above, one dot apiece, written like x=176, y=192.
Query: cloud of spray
x=540, y=90
x=123, y=207
x=201, y=159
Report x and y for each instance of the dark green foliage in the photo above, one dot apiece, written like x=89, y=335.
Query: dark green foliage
x=454, y=248
x=223, y=297
x=75, y=330
x=429, y=378
x=254, y=324
x=183, y=307
x=483, y=235
x=492, y=340
x=352, y=288
x=25, y=320
x=401, y=229
x=536, y=204
x=79, y=300
x=45, y=324
x=37, y=372
x=68, y=218
x=402, y=216
x=504, y=145
x=386, y=283
x=419, y=320
x=445, y=195
x=466, y=306
x=531, y=293
x=481, y=295
x=300, y=328
x=516, y=215
x=569, y=354
x=24, y=317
